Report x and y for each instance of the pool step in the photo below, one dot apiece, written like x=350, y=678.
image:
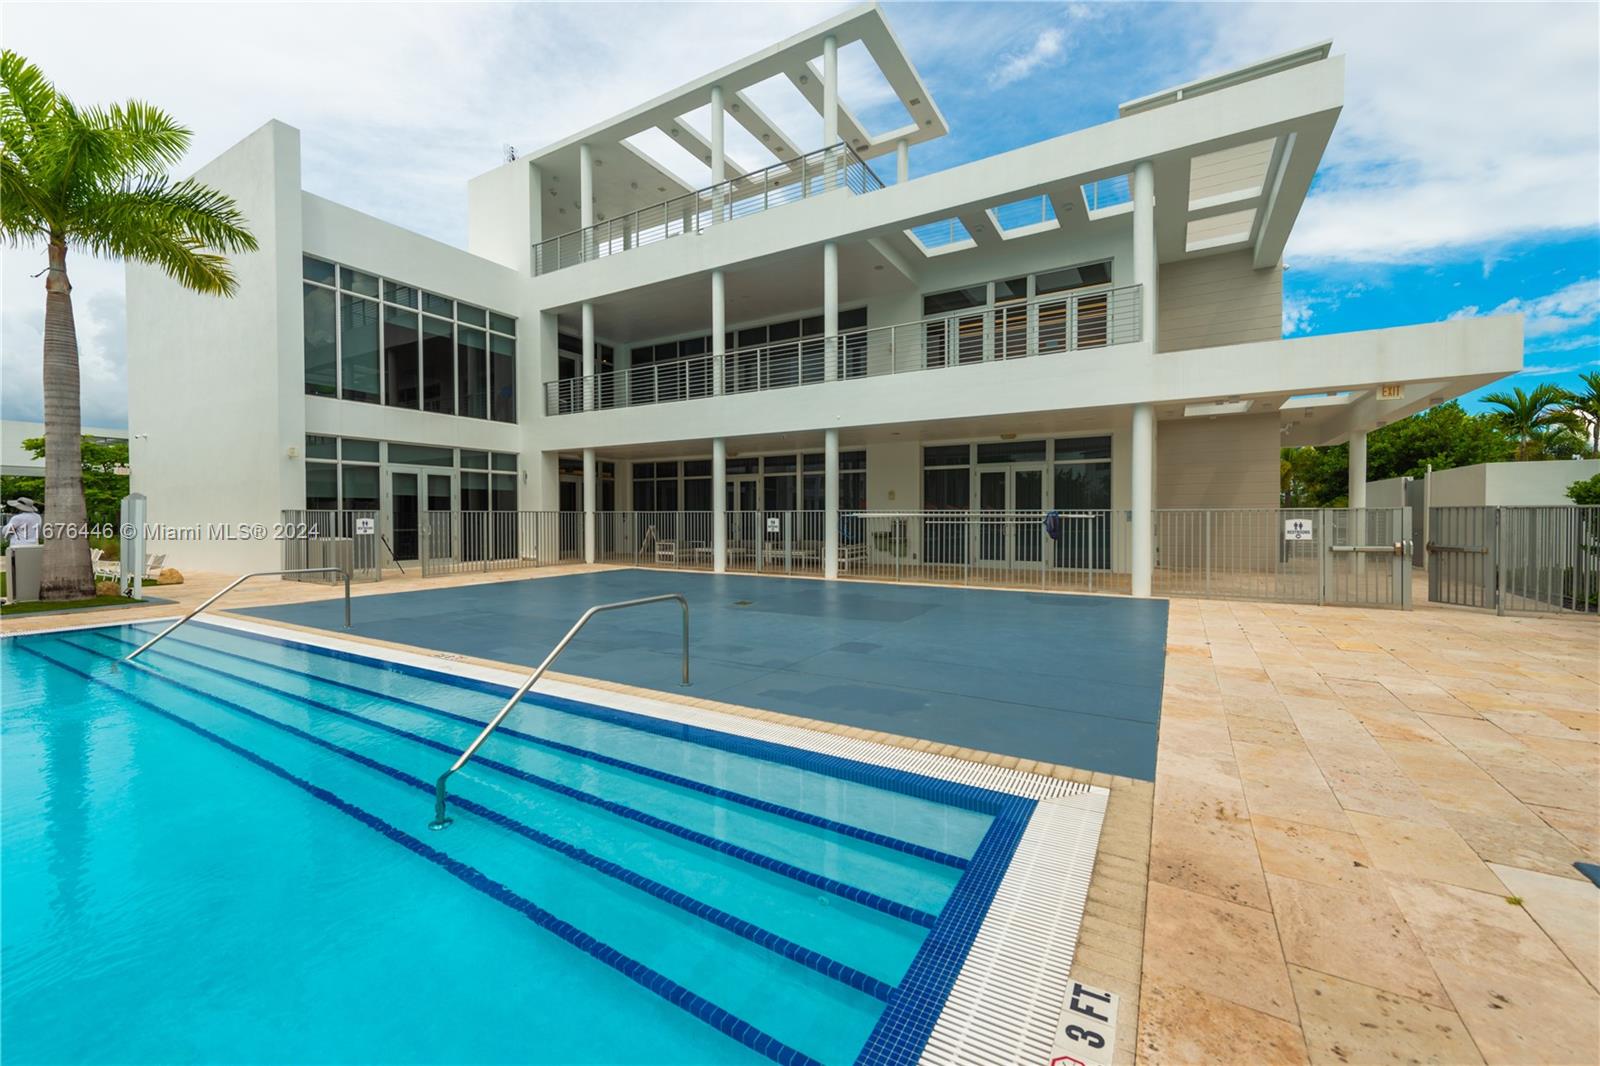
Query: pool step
x=674, y=944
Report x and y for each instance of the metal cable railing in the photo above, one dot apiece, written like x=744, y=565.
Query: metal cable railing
x=1046, y=325
x=440, y=794
x=825, y=170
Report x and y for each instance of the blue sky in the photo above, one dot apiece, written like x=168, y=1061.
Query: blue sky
x=1463, y=178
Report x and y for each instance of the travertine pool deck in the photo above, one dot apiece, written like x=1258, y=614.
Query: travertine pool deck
x=1344, y=802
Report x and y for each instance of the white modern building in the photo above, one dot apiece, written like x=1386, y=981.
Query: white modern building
x=812, y=331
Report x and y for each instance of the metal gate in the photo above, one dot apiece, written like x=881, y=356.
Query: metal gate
x=345, y=539
x=1515, y=558
x=1354, y=558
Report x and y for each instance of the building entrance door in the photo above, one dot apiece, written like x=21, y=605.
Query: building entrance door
x=414, y=495
x=744, y=520
x=1010, y=515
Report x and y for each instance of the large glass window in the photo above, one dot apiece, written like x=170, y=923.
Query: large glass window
x=322, y=341
x=360, y=487
x=503, y=378
x=358, y=346
x=438, y=365
x=473, y=372
x=322, y=487
x=400, y=381
x=1083, y=495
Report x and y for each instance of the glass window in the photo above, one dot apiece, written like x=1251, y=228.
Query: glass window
x=360, y=487
x=505, y=492
x=471, y=315
x=1012, y=451
x=946, y=455
x=778, y=464
x=1014, y=289
x=358, y=341
x=502, y=323
x=322, y=487
x=322, y=341
x=400, y=386
x=474, y=490
x=474, y=460
x=359, y=451
x=946, y=490
x=1068, y=448
x=503, y=378
x=1073, y=278
x=472, y=370
x=815, y=461
x=1083, y=485
x=435, y=304
x=505, y=461
x=941, y=303
x=812, y=492
x=667, y=469
x=644, y=494
x=314, y=269
x=421, y=455
x=697, y=468
x=742, y=466
x=321, y=447
x=779, y=492
x=852, y=460
x=356, y=281
x=697, y=494
x=438, y=365
x=855, y=318
x=399, y=293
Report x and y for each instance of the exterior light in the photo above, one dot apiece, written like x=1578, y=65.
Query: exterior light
x=914, y=101
x=805, y=79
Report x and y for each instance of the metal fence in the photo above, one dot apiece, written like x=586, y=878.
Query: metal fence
x=348, y=540
x=1047, y=325
x=462, y=542
x=830, y=169
x=1351, y=557
x=1515, y=558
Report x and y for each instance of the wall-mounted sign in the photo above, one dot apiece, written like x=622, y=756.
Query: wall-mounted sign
x=1297, y=529
x=774, y=524
x=1391, y=392
x=366, y=526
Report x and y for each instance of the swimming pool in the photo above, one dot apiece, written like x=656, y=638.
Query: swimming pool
x=223, y=854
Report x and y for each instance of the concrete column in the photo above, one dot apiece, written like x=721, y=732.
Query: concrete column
x=585, y=185
x=1141, y=463
x=830, y=310
x=591, y=491
x=1358, y=470
x=719, y=505
x=588, y=357
x=902, y=161
x=1145, y=266
x=830, y=513
x=719, y=333
x=719, y=165
x=830, y=91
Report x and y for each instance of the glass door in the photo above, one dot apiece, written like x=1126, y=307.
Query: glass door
x=744, y=520
x=404, y=509
x=1010, y=513
x=414, y=495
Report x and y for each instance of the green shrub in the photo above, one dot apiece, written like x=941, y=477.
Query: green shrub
x=1586, y=492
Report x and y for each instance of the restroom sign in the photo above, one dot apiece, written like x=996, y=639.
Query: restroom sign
x=1087, y=1032
x=774, y=524
x=1297, y=529
x=366, y=526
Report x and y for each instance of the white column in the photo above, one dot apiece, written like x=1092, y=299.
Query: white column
x=585, y=185
x=588, y=357
x=719, y=505
x=1144, y=247
x=719, y=165
x=1141, y=463
x=591, y=489
x=719, y=333
x=830, y=91
x=830, y=513
x=830, y=310
x=1358, y=470
x=902, y=161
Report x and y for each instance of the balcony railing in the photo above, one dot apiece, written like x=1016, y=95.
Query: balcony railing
x=825, y=170
x=1047, y=325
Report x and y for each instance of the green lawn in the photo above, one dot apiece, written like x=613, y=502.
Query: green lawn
x=65, y=605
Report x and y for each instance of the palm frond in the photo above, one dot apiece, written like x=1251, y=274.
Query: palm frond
x=181, y=227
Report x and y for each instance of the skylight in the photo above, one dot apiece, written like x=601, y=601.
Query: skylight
x=1107, y=193
x=937, y=238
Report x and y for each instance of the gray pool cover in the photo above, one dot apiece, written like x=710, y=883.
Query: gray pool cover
x=1074, y=680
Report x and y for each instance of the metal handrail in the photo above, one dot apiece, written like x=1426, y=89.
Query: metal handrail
x=439, y=793
x=235, y=584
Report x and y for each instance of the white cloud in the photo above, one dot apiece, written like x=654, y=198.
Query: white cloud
x=1297, y=315
x=1575, y=307
x=1048, y=46
x=1463, y=124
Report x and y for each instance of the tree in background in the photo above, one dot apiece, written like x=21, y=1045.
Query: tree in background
x=1585, y=492
x=105, y=479
x=1585, y=407
x=1538, y=420
x=95, y=179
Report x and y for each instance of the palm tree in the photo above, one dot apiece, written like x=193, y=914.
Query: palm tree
x=1585, y=407
x=1532, y=418
x=94, y=179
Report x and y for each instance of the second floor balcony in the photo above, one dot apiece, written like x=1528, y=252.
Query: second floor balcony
x=834, y=169
x=1050, y=325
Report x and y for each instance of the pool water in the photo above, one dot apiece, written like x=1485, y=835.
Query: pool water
x=223, y=854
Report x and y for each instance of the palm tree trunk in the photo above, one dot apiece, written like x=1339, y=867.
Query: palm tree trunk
x=67, y=573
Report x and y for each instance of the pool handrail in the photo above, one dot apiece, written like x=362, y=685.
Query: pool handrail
x=439, y=788
x=235, y=583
